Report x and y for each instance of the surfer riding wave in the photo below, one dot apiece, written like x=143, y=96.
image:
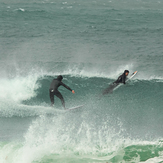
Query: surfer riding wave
x=121, y=79
x=53, y=90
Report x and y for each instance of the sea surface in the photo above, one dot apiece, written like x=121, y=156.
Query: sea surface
x=90, y=43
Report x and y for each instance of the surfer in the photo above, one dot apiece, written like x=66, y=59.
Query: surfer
x=121, y=79
x=53, y=90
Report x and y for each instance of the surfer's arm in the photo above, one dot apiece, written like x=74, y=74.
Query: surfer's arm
x=67, y=87
x=123, y=79
x=119, y=80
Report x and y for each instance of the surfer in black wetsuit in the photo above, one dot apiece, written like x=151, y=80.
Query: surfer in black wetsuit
x=121, y=79
x=53, y=90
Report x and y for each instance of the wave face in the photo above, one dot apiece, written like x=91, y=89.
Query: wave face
x=90, y=43
x=122, y=126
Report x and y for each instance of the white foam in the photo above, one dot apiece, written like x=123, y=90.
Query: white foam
x=154, y=160
x=145, y=76
x=10, y=109
x=18, y=88
x=111, y=73
x=93, y=71
x=21, y=9
x=51, y=135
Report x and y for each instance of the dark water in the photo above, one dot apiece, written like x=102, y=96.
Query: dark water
x=90, y=43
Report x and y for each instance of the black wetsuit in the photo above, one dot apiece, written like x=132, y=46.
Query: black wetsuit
x=53, y=90
x=121, y=79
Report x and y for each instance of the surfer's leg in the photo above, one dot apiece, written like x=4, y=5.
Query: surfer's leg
x=110, y=89
x=59, y=95
x=51, y=94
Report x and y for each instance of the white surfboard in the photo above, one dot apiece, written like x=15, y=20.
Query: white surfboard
x=114, y=86
x=132, y=75
x=76, y=107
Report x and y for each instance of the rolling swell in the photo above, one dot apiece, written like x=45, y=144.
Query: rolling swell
x=136, y=91
x=120, y=126
x=138, y=103
x=128, y=103
x=132, y=96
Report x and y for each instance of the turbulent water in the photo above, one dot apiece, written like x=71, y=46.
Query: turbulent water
x=90, y=43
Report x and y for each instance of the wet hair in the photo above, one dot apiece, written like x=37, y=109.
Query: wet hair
x=60, y=77
x=126, y=71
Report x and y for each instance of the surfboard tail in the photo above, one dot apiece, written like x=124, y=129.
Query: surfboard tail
x=74, y=107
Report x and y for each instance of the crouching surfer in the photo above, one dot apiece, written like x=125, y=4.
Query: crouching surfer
x=53, y=90
x=121, y=79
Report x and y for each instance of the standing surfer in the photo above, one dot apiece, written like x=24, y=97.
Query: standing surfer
x=53, y=90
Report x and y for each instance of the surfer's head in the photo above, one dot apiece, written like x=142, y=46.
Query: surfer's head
x=60, y=77
x=126, y=72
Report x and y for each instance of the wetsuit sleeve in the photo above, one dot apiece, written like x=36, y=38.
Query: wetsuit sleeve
x=123, y=79
x=66, y=86
x=119, y=80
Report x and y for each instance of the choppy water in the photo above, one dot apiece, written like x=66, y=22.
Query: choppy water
x=90, y=43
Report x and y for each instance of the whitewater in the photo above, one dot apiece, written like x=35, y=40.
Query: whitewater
x=90, y=43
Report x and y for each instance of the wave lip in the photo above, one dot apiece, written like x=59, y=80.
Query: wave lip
x=18, y=88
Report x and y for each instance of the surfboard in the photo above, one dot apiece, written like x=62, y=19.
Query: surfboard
x=76, y=107
x=114, y=86
x=132, y=75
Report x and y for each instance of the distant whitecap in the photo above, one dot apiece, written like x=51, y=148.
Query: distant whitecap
x=21, y=9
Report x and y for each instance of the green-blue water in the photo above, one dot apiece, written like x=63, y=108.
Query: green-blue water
x=90, y=43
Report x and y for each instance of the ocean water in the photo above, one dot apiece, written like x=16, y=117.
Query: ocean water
x=90, y=43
